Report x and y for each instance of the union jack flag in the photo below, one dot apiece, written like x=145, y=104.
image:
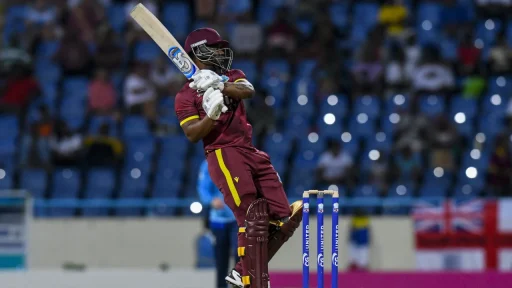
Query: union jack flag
x=467, y=215
x=458, y=215
x=429, y=216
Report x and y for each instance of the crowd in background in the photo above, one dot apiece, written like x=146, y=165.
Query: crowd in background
x=388, y=62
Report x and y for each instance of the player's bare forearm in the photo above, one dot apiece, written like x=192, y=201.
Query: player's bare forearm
x=239, y=90
x=196, y=130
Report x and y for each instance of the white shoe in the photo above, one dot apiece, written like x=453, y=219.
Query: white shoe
x=235, y=279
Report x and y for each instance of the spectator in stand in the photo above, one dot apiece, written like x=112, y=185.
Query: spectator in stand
x=500, y=168
x=396, y=77
x=334, y=165
x=323, y=36
x=493, y=8
x=329, y=77
x=380, y=173
x=368, y=70
x=500, y=56
x=40, y=13
x=232, y=10
x=102, y=94
x=393, y=15
x=282, y=35
x=469, y=55
x=66, y=146
x=20, y=89
x=103, y=150
x=412, y=53
x=139, y=92
x=35, y=146
x=84, y=17
x=247, y=37
x=109, y=52
x=411, y=131
x=407, y=165
x=205, y=9
x=474, y=84
x=166, y=79
x=73, y=55
x=432, y=75
x=14, y=57
x=444, y=144
x=359, y=258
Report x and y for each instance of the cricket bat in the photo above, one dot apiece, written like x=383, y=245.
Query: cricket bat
x=157, y=31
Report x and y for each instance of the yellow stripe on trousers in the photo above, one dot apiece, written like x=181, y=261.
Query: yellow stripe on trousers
x=228, y=177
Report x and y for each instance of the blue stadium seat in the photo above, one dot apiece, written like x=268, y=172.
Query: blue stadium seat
x=339, y=13
x=9, y=126
x=305, y=68
x=134, y=183
x=147, y=50
x=135, y=126
x=448, y=47
x=358, y=34
x=266, y=12
x=305, y=26
x=301, y=105
x=275, y=68
x=432, y=105
x=47, y=72
x=335, y=104
x=140, y=149
x=116, y=15
x=166, y=187
x=509, y=33
x=14, y=21
x=382, y=142
x=495, y=104
x=35, y=181
x=329, y=130
x=360, y=126
x=365, y=193
x=72, y=111
x=277, y=145
x=66, y=186
x=487, y=30
x=477, y=183
x=430, y=189
x=478, y=159
x=369, y=105
x=316, y=147
x=464, y=191
x=6, y=179
x=248, y=67
x=365, y=14
x=75, y=87
x=501, y=85
x=397, y=103
x=46, y=49
x=176, y=17
x=100, y=186
x=467, y=106
x=398, y=196
x=298, y=126
x=428, y=11
x=491, y=125
x=97, y=121
x=466, y=129
x=173, y=147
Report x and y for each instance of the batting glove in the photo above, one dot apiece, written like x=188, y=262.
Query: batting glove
x=205, y=79
x=213, y=103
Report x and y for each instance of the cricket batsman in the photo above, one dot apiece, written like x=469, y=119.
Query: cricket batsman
x=210, y=107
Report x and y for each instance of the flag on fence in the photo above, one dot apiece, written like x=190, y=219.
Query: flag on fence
x=463, y=234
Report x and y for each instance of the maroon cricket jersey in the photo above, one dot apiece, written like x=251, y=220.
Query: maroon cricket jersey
x=231, y=129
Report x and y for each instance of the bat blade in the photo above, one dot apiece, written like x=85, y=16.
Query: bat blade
x=164, y=39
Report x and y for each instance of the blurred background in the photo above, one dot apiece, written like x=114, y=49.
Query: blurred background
x=401, y=105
